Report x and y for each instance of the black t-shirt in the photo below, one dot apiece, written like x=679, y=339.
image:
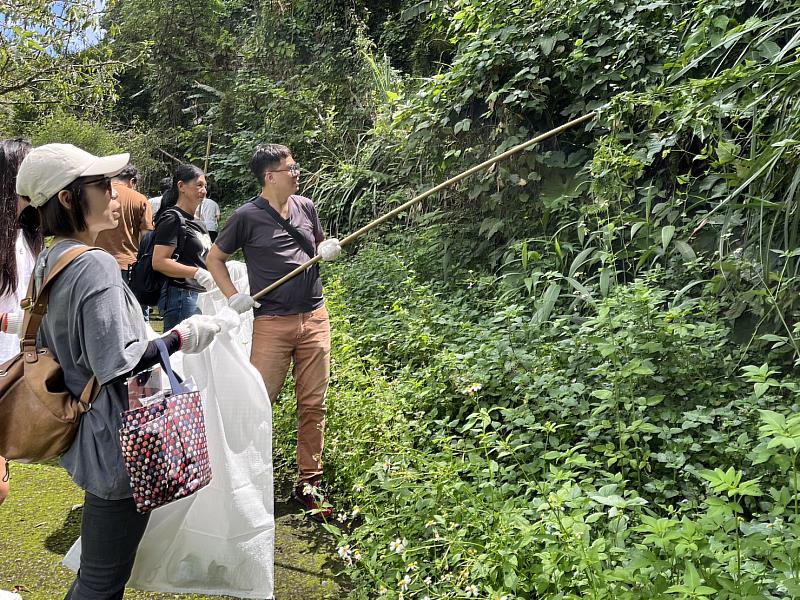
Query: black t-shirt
x=191, y=243
x=270, y=253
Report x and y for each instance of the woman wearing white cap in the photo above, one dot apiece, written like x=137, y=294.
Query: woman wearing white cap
x=94, y=326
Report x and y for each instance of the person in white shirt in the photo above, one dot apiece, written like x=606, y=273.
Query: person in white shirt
x=208, y=212
x=20, y=242
x=155, y=202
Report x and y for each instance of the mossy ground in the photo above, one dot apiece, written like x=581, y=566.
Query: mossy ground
x=41, y=519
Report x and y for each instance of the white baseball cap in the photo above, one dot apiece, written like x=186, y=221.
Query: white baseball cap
x=48, y=169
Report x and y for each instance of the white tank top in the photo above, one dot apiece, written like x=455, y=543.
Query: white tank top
x=9, y=344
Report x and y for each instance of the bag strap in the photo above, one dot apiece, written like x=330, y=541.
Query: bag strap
x=298, y=237
x=35, y=305
x=176, y=386
x=35, y=309
x=181, y=230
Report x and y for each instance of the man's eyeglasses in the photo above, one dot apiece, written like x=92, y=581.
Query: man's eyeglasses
x=103, y=182
x=291, y=169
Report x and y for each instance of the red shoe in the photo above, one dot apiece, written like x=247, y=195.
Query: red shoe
x=311, y=499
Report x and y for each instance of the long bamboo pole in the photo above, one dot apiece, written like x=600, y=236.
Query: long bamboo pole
x=167, y=154
x=480, y=167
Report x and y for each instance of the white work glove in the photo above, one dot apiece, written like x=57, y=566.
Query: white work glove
x=228, y=319
x=11, y=322
x=241, y=303
x=197, y=332
x=205, y=279
x=329, y=249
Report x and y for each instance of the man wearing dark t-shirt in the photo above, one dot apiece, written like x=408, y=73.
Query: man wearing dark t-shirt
x=291, y=322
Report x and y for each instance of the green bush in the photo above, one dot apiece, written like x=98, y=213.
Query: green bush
x=102, y=139
x=611, y=456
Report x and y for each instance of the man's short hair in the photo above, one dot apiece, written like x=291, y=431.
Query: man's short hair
x=128, y=173
x=265, y=157
x=166, y=183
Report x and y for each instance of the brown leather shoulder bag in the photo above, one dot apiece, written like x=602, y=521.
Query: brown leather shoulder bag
x=38, y=415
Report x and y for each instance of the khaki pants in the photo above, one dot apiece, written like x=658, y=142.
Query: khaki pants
x=304, y=339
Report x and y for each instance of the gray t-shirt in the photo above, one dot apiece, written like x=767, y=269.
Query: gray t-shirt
x=93, y=325
x=270, y=253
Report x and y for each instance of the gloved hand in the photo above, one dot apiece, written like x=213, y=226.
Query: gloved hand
x=205, y=279
x=329, y=249
x=197, y=332
x=241, y=303
x=228, y=319
x=11, y=323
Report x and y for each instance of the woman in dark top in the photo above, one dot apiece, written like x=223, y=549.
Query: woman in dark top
x=181, y=246
x=94, y=327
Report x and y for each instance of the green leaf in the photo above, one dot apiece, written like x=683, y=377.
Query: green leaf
x=547, y=44
x=760, y=389
x=691, y=577
x=462, y=125
x=667, y=232
x=686, y=250
x=579, y=261
x=547, y=303
x=727, y=151
x=605, y=280
x=586, y=295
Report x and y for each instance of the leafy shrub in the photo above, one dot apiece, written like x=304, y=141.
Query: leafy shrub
x=614, y=456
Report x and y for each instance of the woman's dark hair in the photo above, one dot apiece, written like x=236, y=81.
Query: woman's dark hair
x=184, y=173
x=59, y=220
x=265, y=157
x=12, y=152
x=166, y=183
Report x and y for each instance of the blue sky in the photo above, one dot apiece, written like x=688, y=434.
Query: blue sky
x=58, y=10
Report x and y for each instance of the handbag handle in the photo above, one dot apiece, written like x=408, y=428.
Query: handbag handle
x=176, y=386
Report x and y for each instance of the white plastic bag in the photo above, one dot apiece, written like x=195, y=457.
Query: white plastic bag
x=220, y=540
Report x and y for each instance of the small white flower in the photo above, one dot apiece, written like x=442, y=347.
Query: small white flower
x=382, y=590
x=472, y=591
x=405, y=582
x=397, y=546
x=355, y=513
x=387, y=465
x=342, y=517
x=358, y=488
x=411, y=566
x=428, y=580
x=344, y=554
x=356, y=555
x=429, y=524
x=309, y=489
x=472, y=389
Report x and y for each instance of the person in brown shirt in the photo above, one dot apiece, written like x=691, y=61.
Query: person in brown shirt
x=135, y=219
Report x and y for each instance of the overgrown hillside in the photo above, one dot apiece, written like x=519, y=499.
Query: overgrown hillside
x=572, y=376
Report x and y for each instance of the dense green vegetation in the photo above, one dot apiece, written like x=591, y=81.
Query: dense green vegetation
x=573, y=376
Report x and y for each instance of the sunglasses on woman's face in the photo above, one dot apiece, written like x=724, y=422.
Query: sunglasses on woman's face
x=103, y=182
